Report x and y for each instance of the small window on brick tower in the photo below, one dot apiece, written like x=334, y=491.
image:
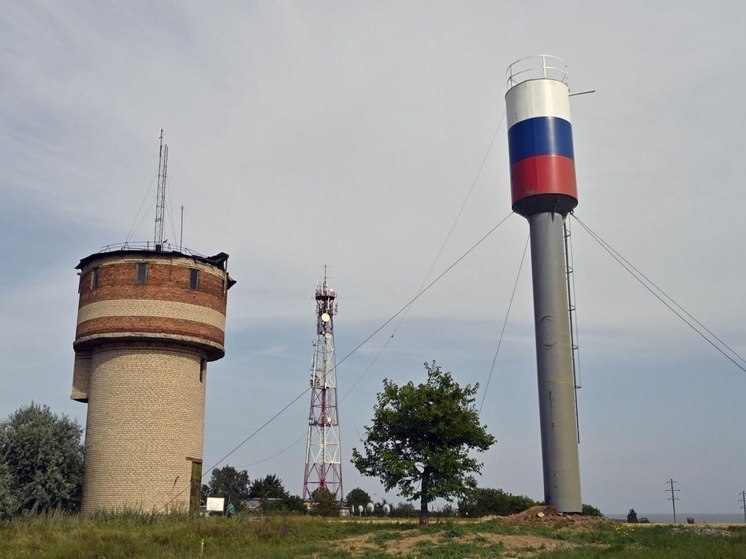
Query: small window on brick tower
x=202, y=369
x=95, y=273
x=193, y=278
x=142, y=273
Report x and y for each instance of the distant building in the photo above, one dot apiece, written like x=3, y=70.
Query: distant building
x=149, y=320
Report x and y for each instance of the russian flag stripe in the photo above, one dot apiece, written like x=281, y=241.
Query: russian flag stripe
x=544, y=135
x=544, y=174
x=536, y=98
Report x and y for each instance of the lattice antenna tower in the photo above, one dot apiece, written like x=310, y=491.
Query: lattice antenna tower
x=323, y=453
x=160, y=199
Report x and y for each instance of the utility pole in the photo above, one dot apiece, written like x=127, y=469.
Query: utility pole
x=743, y=505
x=673, y=498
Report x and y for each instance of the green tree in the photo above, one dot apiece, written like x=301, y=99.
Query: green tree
x=42, y=461
x=229, y=483
x=421, y=438
x=357, y=497
x=323, y=503
x=268, y=487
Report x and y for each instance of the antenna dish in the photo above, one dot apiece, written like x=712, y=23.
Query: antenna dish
x=325, y=317
x=328, y=335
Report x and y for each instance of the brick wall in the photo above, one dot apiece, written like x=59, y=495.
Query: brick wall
x=165, y=305
x=145, y=424
x=168, y=280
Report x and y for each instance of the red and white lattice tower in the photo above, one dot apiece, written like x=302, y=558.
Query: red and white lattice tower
x=323, y=452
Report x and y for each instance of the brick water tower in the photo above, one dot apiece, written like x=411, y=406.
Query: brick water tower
x=150, y=318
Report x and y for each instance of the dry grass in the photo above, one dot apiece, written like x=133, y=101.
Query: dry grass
x=539, y=532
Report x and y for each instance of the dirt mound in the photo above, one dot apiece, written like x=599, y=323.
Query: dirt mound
x=539, y=511
x=542, y=514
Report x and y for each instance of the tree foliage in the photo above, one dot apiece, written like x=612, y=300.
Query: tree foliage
x=484, y=501
x=590, y=510
x=421, y=438
x=323, y=503
x=8, y=502
x=268, y=487
x=41, y=459
x=403, y=510
x=287, y=504
x=229, y=483
x=357, y=497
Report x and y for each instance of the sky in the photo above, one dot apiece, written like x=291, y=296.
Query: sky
x=370, y=137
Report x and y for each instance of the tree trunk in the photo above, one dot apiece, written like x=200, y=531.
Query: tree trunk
x=424, y=513
x=424, y=487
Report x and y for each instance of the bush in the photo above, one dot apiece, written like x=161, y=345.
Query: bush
x=590, y=510
x=287, y=504
x=323, y=503
x=482, y=502
x=404, y=510
x=42, y=462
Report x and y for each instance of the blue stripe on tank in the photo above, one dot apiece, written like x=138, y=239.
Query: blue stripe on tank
x=543, y=135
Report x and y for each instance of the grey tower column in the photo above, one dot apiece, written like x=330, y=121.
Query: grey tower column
x=559, y=443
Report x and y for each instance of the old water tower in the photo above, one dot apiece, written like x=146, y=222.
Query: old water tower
x=150, y=318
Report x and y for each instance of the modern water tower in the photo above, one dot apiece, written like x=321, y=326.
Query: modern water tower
x=544, y=191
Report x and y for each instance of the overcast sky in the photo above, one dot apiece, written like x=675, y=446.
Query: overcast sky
x=351, y=134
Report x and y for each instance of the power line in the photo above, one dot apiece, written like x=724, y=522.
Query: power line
x=505, y=323
x=437, y=256
x=276, y=454
x=668, y=301
x=135, y=223
x=417, y=296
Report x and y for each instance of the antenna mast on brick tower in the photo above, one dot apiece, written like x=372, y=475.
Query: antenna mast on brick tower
x=323, y=453
x=160, y=198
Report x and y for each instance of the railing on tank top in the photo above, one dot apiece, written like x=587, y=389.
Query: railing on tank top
x=151, y=246
x=536, y=67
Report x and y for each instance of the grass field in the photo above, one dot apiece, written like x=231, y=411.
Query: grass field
x=278, y=537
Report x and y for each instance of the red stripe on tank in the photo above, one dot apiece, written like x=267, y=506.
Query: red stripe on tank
x=543, y=174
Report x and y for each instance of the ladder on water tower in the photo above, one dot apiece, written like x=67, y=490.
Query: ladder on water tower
x=573, y=320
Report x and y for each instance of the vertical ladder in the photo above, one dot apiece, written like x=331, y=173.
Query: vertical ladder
x=573, y=319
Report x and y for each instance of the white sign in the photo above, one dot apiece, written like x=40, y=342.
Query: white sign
x=215, y=504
